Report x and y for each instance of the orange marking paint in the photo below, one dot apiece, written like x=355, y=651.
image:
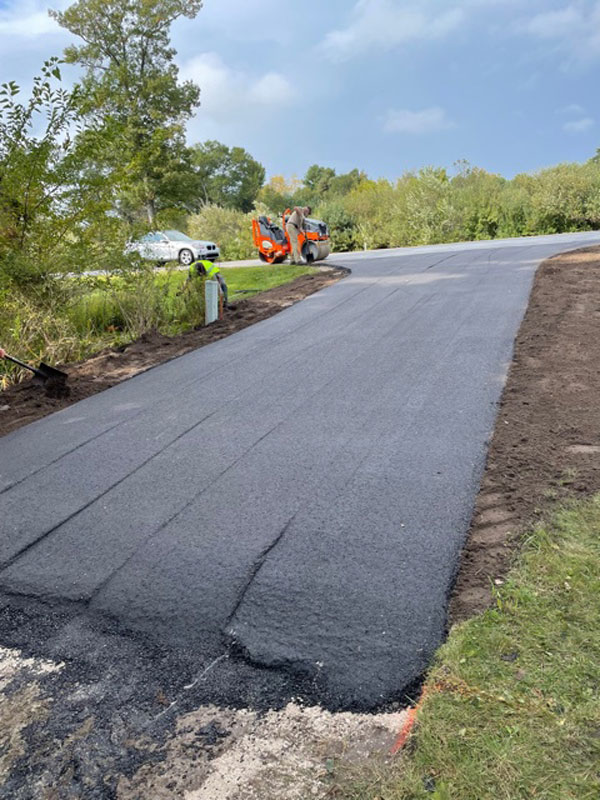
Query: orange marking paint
x=407, y=728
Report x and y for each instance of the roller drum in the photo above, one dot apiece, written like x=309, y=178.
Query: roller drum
x=315, y=251
x=324, y=249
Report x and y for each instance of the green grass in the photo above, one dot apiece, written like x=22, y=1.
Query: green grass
x=244, y=279
x=512, y=704
x=262, y=278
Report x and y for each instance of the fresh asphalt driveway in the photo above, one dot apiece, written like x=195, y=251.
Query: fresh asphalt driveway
x=296, y=495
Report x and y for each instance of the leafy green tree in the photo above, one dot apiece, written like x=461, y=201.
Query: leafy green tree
x=30, y=167
x=49, y=202
x=131, y=100
x=343, y=184
x=563, y=198
x=226, y=176
x=426, y=205
x=322, y=183
x=342, y=225
x=372, y=205
x=55, y=217
x=318, y=180
x=279, y=194
x=476, y=203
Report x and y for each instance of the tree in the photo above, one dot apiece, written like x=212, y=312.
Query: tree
x=131, y=100
x=280, y=193
x=227, y=177
x=476, y=203
x=371, y=204
x=49, y=203
x=343, y=184
x=323, y=183
x=318, y=180
x=342, y=225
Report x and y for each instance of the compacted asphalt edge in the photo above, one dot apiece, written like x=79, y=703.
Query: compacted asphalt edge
x=283, y=509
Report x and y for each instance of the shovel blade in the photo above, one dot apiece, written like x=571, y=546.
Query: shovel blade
x=51, y=373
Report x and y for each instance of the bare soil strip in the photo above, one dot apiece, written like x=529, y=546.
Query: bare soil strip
x=546, y=445
x=27, y=402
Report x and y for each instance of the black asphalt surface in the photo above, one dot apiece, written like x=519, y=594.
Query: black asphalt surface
x=294, y=497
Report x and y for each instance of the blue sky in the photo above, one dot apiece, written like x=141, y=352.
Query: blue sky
x=382, y=85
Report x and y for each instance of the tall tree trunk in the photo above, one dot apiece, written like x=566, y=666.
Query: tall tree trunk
x=150, y=205
x=151, y=212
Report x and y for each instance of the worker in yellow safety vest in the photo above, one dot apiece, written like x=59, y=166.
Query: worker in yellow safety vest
x=210, y=271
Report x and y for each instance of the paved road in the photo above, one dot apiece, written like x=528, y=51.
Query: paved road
x=300, y=490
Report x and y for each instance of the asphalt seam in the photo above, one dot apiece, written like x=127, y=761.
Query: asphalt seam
x=255, y=569
x=441, y=261
x=181, y=510
x=7, y=564
x=63, y=455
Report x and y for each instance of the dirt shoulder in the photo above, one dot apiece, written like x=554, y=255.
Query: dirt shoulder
x=27, y=402
x=546, y=444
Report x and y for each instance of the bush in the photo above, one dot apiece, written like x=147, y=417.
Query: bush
x=95, y=313
x=34, y=331
x=230, y=229
x=342, y=226
x=81, y=316
x=137, y=302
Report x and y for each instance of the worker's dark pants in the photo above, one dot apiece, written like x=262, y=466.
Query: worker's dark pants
x=223, y=286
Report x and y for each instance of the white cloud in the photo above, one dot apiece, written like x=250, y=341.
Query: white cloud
x=237, y=20
x=570, y=110
x=273, y=89
x=553, y=24
x=28, y=20
x=574, y=31
x=429, y=120
x=30, y=26
x=228, y=94
x=579, y=125
x=387, y=24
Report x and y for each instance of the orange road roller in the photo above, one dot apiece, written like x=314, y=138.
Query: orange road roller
x=273, y=241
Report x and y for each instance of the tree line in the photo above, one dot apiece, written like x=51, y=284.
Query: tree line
x=435, y=205
x=429, y=206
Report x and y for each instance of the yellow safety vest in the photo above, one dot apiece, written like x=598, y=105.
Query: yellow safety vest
x=210, y=269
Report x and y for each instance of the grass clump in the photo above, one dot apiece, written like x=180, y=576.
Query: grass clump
x=252, y=280
x=512, y=705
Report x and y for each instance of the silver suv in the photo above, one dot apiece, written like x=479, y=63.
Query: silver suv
x=163, y=246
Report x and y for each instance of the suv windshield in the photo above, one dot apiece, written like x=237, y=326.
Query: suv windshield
x=178, y=236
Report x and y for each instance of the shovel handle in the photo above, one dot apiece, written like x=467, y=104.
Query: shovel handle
x=23, y=364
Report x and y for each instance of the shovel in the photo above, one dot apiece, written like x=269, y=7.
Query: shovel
x=44, y=372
